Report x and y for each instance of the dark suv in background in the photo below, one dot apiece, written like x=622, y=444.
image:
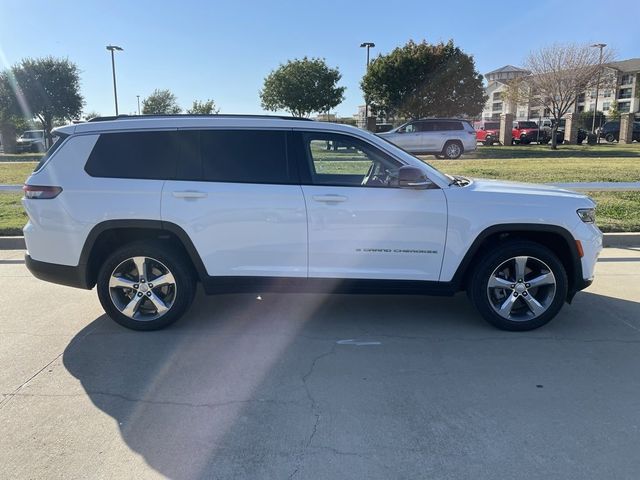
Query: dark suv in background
x=610, y=131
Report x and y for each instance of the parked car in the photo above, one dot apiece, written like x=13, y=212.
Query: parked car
x=383, y=127
x=488, y=133
x=30, y=141
x=143, y=208
x=443, y=137
x=610, y=131
x=525, y=132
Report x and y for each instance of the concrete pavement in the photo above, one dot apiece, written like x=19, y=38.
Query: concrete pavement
x=319, y=387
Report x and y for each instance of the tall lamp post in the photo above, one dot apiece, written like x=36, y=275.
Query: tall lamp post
x=138, y=104
x=112, y=49
x=595, y=108
x=367, y=45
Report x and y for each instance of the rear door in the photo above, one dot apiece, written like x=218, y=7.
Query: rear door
x=237, y=196
x=361, y=225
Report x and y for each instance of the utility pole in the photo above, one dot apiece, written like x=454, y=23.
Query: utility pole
x=112, y=49
x=367, y=45
x=138, y=104
x=595, y=108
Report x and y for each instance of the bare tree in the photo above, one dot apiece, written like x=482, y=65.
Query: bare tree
x=559, y=74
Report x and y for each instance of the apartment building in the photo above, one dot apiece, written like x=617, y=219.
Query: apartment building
x=620, y=83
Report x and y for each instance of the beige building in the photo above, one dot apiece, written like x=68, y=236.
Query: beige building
x=620, y=82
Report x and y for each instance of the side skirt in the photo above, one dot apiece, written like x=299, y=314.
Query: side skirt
x=218, y=285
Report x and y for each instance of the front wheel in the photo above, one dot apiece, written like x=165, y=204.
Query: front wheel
x=520, y=286
x=144, y=286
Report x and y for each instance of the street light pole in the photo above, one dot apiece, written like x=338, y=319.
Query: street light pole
x=112, y=49
x=367, y=45
x=138, y=104
x=595, y=108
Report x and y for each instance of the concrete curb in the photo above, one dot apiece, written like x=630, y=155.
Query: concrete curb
x=631, y=239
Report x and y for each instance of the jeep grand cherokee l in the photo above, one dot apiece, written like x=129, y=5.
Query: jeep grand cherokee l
x=143, y=208
x=443, y=137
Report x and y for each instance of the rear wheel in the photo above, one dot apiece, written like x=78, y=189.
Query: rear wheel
x=610, y=137
x=452, y=150
x=520, y=286
x=145, y=286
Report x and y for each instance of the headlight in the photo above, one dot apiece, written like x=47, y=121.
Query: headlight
x=587, y=215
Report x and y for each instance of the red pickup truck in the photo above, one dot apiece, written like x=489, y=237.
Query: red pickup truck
x=488, y=133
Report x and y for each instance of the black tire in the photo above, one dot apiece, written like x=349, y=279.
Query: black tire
x=452, y=150
x=488, y=143
x=610, y=137
x=524, y=141
x=478, y=285
x=173, y=260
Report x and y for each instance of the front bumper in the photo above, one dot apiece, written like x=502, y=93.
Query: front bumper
x=60, y=274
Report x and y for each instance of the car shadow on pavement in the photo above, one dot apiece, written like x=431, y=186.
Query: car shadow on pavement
x=335, y=386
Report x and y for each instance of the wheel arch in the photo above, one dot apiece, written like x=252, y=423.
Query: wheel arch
x=557, y=239
x=110, y=234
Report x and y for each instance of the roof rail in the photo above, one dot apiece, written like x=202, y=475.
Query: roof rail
x=194, y=115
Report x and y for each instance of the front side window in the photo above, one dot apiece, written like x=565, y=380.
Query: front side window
x=342, y=160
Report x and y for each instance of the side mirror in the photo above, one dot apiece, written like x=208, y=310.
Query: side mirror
x=413, y=177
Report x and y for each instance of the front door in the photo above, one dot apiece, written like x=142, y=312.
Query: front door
x=361, y=224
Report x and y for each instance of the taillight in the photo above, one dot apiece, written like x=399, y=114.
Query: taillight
x=37, y=192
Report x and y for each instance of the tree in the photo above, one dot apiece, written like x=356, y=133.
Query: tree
x=614, y=113
x=50, y=88
x=203, y=108
x=161, y=102
x=91, y=114
x=9, y=113
x=585, y=119
x=302, y=87
x=420, y=80
x=559, y=74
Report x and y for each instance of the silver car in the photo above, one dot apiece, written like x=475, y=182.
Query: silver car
x=443, y=137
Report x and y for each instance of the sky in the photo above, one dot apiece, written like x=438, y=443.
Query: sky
x=223, y=50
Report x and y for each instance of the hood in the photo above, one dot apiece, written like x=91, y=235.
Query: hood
x=518, y=188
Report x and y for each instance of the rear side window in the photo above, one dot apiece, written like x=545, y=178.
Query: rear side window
x=244, y=156
x=445, y=125
x=144, y=155
x=52, y=149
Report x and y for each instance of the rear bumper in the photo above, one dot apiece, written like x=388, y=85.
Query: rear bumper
x=60, y=274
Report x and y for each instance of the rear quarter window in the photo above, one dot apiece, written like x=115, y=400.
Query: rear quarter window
x=144, y=155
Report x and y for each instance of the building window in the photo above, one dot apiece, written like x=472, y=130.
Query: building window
x=581, y=98
x=624, y=107
x=592, y=107
x=547, y=112
x=580, y=108
x=607, y=93
x=535, y=113
x=625, y=93
x=497, y=96
x=592, y=94
x=606, y=106
x=626, y=79
x=497, y=107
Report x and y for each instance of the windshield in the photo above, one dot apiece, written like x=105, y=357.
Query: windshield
x=527, y=125
x=31, y=134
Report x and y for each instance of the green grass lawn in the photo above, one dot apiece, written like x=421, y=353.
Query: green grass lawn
x=12, y=216
x=16, y=173
x=617, y=211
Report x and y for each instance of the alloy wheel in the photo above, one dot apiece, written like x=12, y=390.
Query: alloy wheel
x=521, y=288
x=142, y=288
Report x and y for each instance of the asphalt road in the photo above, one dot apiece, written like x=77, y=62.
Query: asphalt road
x=320, y=387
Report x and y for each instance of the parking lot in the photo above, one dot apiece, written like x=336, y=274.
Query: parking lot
x=319, y=387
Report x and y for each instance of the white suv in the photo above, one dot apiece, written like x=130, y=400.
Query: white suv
x=443, y=137
x=146, y=207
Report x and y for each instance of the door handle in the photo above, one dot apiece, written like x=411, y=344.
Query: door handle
x=189, y=194
x=330, y=198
